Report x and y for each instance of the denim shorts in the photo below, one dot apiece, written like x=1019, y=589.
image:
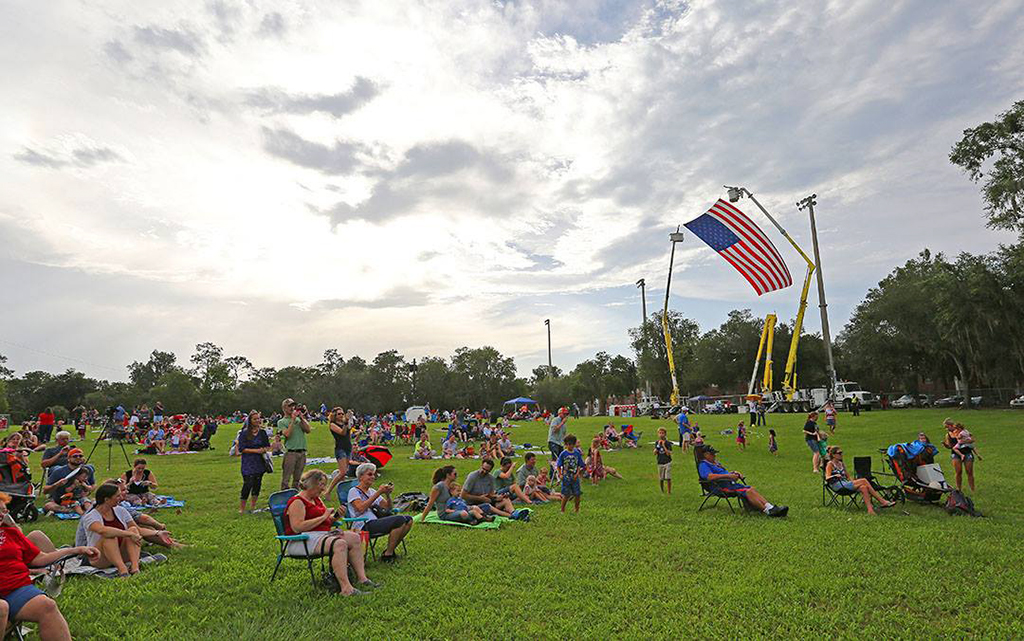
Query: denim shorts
x=17, y=599
x=813, y=445
x=340, y=454
x=842, y=485
x=571, y=487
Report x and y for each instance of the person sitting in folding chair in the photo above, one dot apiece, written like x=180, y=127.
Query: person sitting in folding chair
x=838, y=480
x=364, y=502
x=729, y=483
x=20, y=600
x=307, y=514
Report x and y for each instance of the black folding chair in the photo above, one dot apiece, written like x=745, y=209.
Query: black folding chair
x=839, y=497
x=862, y=470
x=711, y=490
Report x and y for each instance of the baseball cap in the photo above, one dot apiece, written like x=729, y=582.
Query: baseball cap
x=75, y=451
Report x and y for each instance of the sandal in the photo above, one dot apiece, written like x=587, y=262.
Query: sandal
x=388, y=558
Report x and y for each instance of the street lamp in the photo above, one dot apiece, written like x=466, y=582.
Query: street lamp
x=675, y=237
x=808, y=204
x=547, y=322
x=643, y=300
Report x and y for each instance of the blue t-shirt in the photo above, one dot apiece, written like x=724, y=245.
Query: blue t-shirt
x=456, y=504
x=570, y=462
x=684, y=423
x=119, y=413
x=706, y=467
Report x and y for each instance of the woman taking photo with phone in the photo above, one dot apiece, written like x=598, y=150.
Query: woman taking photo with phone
x=364, y=502
x=307, y=514
x=342, y=433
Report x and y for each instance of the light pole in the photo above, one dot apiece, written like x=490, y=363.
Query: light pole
x=551, y=370
x=808, y=204
x=643, y=301
x=642, y=284
x=675, y=237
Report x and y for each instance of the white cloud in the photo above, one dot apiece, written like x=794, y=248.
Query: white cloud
x=313, y=156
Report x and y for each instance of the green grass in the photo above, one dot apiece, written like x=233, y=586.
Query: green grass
x=633, y=563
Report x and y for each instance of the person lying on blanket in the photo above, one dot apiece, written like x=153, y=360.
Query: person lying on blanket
x=730, y=483
x=20, y=600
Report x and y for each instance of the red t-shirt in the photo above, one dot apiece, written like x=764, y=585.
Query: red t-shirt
x=16, y=552
x=314, y=509
x=45, y=418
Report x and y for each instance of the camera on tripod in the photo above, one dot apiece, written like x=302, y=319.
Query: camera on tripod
x=113, y=429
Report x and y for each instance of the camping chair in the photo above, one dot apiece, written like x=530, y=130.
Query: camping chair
x=17, y=630
x=278, y=505
x=369, y=540
x=862, y=470
x=839, y=498
x=710, y=489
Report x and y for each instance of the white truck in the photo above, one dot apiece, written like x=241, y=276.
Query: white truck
x=843, y=396
x=805, y=400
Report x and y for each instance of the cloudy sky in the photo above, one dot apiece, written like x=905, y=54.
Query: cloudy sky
x=286, y=177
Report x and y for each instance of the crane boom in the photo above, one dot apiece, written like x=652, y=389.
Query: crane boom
x=764, y=347
x=789, y=379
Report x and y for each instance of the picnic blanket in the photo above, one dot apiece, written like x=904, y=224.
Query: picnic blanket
x=75, y=566
x=171, y=502
x=320, y=460
x=493, y=525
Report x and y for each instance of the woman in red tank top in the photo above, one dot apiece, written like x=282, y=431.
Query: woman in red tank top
x=307, y=514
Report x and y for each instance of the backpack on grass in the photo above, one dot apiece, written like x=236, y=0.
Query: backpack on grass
x=959, y=503
x=410, y=502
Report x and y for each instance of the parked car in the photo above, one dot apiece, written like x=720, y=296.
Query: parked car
x=956, y=401
x=911, y=400
x=665, y=412
x=1018, y=402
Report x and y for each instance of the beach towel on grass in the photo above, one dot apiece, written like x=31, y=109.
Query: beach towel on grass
x=75, y=566
x=493, y=525
x=171, y=502
x=320, y=460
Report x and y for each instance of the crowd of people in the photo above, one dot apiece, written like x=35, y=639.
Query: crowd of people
x=113, y=527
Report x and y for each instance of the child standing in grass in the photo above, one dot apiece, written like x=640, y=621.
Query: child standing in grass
x=570, y=466
x=663, y=452
x=773, y=445
x=741, y=436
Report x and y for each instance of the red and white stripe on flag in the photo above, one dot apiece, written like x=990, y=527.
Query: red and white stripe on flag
x=741, y=242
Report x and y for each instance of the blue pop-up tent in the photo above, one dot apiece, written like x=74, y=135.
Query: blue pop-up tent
x=522, y=400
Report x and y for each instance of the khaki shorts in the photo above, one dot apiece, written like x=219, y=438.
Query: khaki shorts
x=665, y=472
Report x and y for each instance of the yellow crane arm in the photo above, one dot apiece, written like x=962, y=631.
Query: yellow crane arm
x=674, y=400
x=766, y=384
x=789, y=380
x=764, y=347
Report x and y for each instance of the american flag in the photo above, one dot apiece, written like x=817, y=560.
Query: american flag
x=736, y=238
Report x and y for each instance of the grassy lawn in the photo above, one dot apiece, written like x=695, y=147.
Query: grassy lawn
x=633, y=563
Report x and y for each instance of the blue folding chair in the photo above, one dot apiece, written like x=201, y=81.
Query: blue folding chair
x=369, y=540
x=278, y=506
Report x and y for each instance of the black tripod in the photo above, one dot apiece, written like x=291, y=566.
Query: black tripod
x=110, y=434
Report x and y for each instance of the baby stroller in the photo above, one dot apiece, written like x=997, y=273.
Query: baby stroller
x=16, y=480
x=914, y=465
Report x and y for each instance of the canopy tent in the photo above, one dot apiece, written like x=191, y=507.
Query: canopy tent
x=521, y=400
